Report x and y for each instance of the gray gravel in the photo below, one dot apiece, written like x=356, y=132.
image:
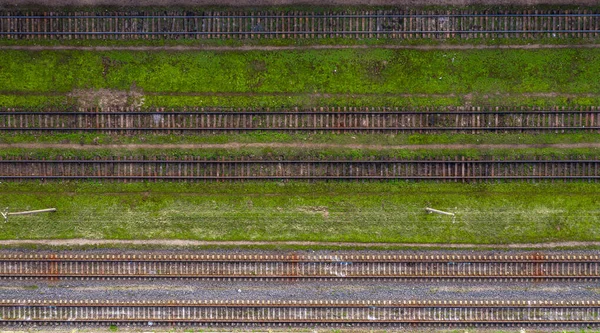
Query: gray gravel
x=304, y=252
x=295, y=290
x=163, y=289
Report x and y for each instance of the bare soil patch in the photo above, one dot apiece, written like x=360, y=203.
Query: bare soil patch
x=324, y=211
x=107, y=98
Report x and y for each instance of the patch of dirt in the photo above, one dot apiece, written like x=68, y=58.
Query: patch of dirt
x=107, y=98
x=468, y=98
x=315, y=210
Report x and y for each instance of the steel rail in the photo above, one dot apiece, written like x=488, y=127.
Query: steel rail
x=341, y=128
x=326, y=312
x=138, y=161
x=311, y=303
x=341, y=32
x=369, y=322
x=324, y=112
x=57, y=257
x=188, y=169
x=253, y=24
x=323, y=277
x=250, y=16
x=574, y=120
x=276, y=177
x=537, y=267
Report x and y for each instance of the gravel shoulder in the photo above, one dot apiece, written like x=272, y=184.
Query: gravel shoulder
x=123, y=290
x=195, y=243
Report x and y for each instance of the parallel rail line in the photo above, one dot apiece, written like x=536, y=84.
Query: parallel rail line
x=301, y=266
x=297, y=24
x=195, y=169
x=338, y=120
x=313, y=312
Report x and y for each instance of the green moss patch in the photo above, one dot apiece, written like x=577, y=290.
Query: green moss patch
x=310, y=77
x=352, y=212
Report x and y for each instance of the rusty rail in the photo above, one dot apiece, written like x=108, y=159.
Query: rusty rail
x=301, y=266
x=315, y=120
x=191, y=168
x=323, y=312
x=385, y=23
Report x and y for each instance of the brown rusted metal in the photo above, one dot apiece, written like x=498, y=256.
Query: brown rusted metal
x=296, y=266
x=352, y=120
x=53, y=268
x=181, y=168
x=387, y=23
x=539, y=269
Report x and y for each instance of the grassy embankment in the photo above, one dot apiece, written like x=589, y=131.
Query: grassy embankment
x=350, y=212
x=302, y=42
x=376, y=77
x=361, y=212
x=385, y=212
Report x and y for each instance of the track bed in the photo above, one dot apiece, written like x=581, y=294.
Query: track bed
x=393, y=24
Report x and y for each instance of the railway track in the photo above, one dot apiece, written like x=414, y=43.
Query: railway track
x=288, y=313
x=337, y=120
x=497, y=267
x=196, y=169
x=395, y=24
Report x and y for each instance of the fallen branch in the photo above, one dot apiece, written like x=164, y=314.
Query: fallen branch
x=431, y=210
x=6, y=214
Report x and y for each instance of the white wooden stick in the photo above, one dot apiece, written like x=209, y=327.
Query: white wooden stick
x=33, y=211
x=6, y=214
x=431, y=210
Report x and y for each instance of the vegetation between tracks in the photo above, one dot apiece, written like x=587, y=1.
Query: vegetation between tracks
x=293, y=153
x=61, y=101
x=351, y=212
x=301, y=42
x=267, y=78
x=90, y=140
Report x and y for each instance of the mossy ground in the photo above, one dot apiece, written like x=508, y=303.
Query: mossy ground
x=351, y=212
x=90, y=140
x=487, y=213
x=294, y=153
x=371, y=77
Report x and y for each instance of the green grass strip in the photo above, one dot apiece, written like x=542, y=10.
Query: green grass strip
x=352, y=212
x=301, y=139
x=41, y=101
x=301, y=42
x=373, y=71
x=291, y=153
